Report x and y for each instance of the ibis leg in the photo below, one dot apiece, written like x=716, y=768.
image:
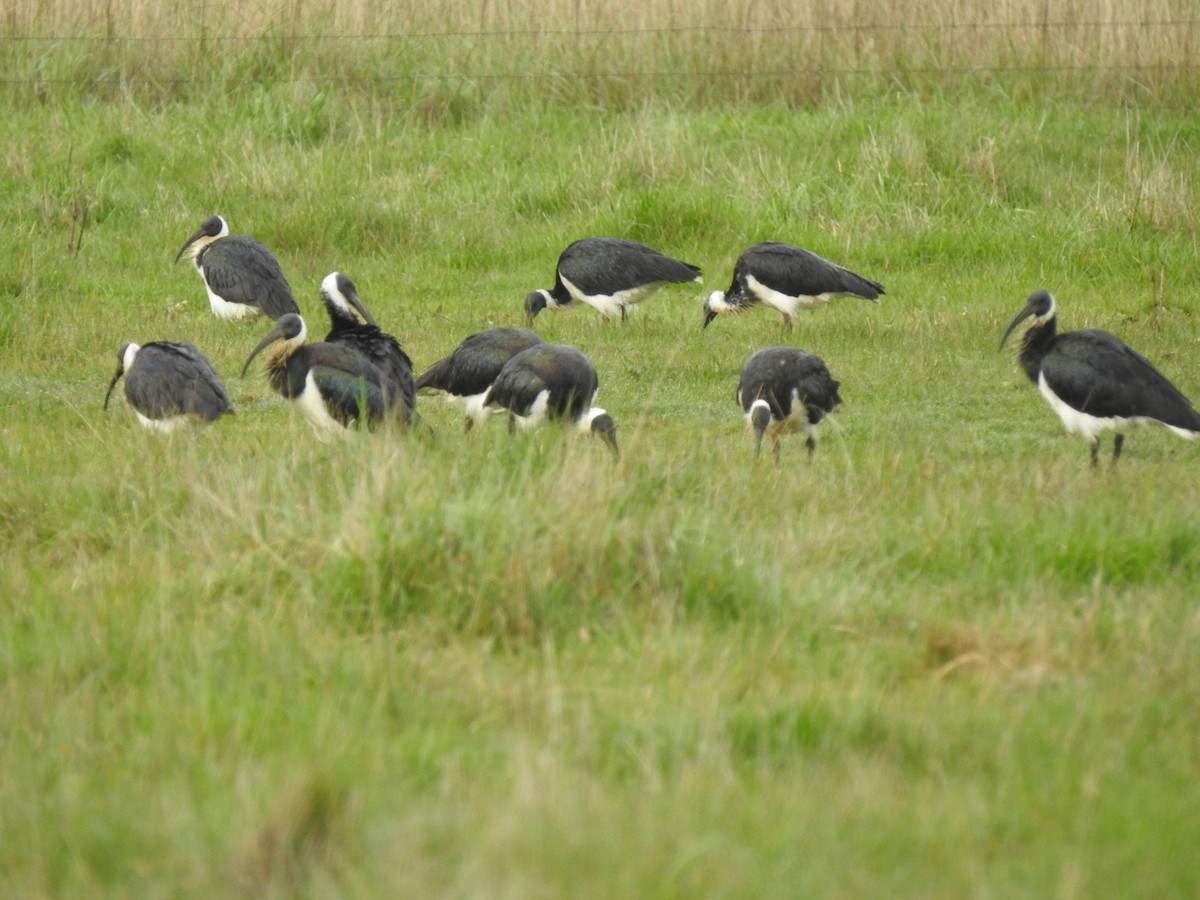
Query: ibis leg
x=1118, y=443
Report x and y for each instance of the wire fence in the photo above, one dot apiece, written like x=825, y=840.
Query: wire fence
x=1147, y=54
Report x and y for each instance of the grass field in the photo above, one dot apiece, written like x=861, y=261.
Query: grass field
x=940, y=658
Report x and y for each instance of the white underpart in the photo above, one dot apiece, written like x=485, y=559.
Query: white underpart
x=313, y=407
x=537, y=412
x=784, y=303
x=611, y=304
x=220, y=308
x=472, y=404
x=167, y=425
x=1076, y=422
x=223, y=309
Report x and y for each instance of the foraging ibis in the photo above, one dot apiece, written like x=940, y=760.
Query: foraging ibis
x=344, y=306
x=552, y=382
x=786, y=278
x=783, y=390
x=169, y=385
x=242, y=278
x=333, y=385
x=1094, y=382
x=612, y=275
x=466, y=374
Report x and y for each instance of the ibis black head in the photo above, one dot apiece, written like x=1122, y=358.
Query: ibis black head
x=339, y=292
x=605, y=428
x=210, y=229
x=760, y=418
x=125, y=357
x=535, y=302
x=289, y=328
x=709, y=312
x=1039, y=305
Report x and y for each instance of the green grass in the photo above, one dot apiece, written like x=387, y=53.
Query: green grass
x=940, y=658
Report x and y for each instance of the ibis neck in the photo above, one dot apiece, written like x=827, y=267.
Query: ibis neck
x=286, y=379
x=1035, y=345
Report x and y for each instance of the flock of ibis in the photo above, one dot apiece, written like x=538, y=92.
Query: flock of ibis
x=361, y=375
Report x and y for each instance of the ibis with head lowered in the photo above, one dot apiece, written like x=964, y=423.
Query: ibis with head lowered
x=552, y=382
x=345, y=308
x=1094, y=382
x=611, y=275
x=243, y=279
x=787, y=279
x=169, y=385
x=783, y=390
x=334, y=386
x=466, y=374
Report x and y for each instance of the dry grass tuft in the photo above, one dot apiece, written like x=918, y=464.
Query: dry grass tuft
x=296, y=836
x=963, y=651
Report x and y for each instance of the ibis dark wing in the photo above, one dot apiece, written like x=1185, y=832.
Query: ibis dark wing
x=476, y=362
x=797, y=272
x=170, y=379
x=604, y=265
x=241, y=270
x=817, y=389
x=385, y=353
x=348, y=396
x=1096, y=373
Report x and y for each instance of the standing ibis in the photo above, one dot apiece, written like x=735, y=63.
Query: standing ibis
x=1095, y=382
x=334, y=386
x=552, y=382
x=785, y=390
x=786, y=278
x=611, y=275
x=169, y=385
x=466, y=374
x=242, y=278
x=344, y=306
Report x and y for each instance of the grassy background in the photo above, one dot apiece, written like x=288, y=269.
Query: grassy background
x=941, y=658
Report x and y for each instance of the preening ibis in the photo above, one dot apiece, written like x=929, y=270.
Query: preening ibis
x=1094, y=382
x=466, y=374
x=612, y=275
x=552, y=382
x=169, y=384
x=783, y=390
x=242, y=278
x=345, y=307
x=786, y=278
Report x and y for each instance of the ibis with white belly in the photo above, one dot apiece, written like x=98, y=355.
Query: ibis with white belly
x=611, y=275
x=1094, y=382
x=787, y=279
x=243, y=279
x=334, y=386
x=552, y=382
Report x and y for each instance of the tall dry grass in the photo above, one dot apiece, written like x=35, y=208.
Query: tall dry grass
x=702, y=48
